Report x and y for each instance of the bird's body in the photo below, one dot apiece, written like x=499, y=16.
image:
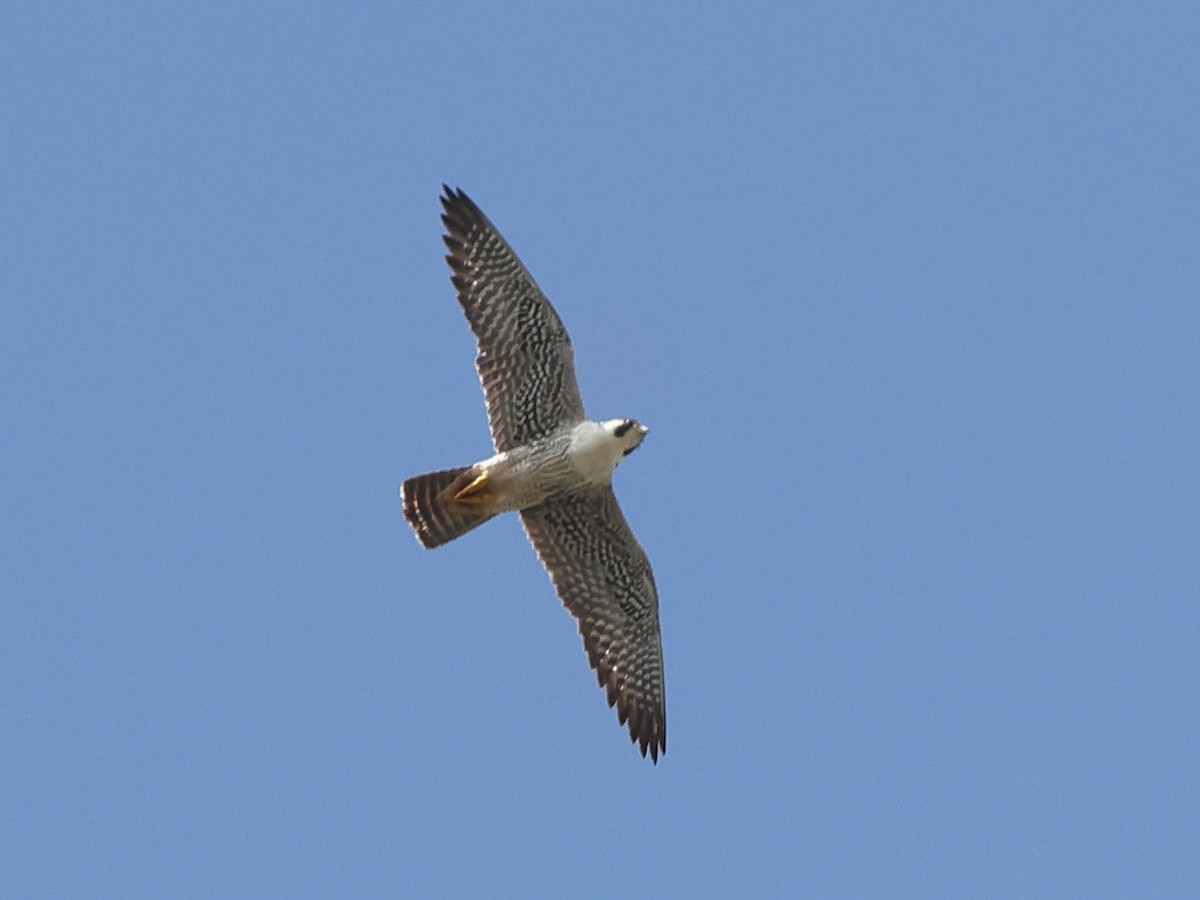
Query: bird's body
x=576, y=457
x=554, y=466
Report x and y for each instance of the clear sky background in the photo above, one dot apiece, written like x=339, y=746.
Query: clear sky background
x=910, y=299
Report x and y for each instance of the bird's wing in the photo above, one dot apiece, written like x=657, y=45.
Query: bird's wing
x=525, y=361
x=603, y=578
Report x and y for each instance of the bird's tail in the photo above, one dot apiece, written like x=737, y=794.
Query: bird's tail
x=441, y=506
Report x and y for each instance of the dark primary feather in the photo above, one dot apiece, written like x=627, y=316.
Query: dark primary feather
x=604, y=580
x=525, y=362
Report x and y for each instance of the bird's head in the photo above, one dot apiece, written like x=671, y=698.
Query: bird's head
x=628, y=432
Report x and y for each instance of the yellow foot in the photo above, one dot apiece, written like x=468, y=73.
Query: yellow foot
x=475, y=493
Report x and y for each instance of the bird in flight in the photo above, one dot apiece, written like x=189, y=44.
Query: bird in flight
x=553, y=466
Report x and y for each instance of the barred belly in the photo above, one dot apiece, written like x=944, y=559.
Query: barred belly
x=529, y=475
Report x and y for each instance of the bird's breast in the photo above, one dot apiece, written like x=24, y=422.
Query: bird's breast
x=594, y=452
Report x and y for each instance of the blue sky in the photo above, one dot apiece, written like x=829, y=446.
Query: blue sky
x=909, y=299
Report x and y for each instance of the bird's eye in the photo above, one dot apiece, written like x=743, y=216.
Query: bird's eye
x=623, y=428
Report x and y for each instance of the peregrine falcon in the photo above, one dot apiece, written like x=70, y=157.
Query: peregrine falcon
x=554, y=466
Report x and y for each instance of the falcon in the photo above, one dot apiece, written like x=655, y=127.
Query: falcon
x=553, y=466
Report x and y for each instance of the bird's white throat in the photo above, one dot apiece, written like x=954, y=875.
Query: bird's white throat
x=595, y=451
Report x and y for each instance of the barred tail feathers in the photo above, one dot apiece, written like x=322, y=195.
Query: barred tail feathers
x=431, y=507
